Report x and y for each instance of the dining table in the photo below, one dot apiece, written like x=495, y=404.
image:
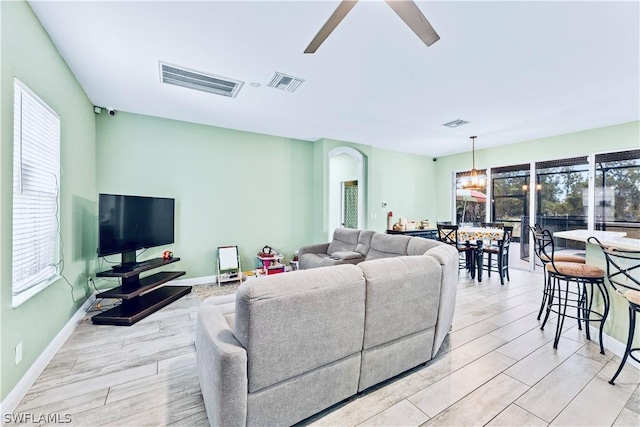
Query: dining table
x=478, y=236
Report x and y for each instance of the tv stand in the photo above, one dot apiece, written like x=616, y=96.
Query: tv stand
x=140, y=296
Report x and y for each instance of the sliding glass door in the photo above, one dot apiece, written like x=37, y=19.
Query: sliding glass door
x=562, y=197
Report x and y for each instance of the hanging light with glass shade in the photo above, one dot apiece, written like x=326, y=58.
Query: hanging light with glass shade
x=474, y=180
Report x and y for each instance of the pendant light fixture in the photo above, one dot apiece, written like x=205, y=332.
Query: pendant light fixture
x=474, y=181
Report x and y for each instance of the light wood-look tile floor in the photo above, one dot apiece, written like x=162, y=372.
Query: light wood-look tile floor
x=496, y=368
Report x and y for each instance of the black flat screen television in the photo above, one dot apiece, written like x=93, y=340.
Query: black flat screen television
x=129, y=223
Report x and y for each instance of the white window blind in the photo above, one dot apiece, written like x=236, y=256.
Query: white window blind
x=36, y=171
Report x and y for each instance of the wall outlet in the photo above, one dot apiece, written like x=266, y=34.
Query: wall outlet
x=19, y=353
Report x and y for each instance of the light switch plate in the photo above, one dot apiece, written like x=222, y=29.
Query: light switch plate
x=18, y=353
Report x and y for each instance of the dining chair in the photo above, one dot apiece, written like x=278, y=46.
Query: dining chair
x=572, y=285
x=448, y=233
x=500, y=263
x=623, y=273
x=492, y=224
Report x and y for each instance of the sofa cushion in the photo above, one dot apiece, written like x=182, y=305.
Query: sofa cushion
x=344, y=239
x=387, y=245
x=312, y=260
x=420, y=245
x=364, y=241
x=293, y=323
x=293, y=400
x=402, y=297
x=389, y=359
x=346, y=255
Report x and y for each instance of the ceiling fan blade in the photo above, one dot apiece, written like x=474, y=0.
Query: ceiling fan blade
x=412, y=16
x=330, y=25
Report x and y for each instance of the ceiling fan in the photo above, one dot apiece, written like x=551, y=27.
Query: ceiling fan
x=407, y=10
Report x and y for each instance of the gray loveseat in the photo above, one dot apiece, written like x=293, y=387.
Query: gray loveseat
x=287, y=346
x=347, y=247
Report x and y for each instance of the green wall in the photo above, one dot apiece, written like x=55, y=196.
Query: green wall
x=28, y=54
x=620, y=137
x=404, y=181
x=231, y=187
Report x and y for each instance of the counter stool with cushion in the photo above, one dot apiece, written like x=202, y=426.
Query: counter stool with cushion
x=540, y=251
x=573, y=286
x=448, y=233
x=623, y=272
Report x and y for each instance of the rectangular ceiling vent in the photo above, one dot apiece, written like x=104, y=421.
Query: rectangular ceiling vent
x=285, y=82
x=191, y=79
x=455, y=123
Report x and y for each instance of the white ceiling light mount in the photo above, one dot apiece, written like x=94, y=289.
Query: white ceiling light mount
x=456, y=123
x=285, y=82
x=191, y=79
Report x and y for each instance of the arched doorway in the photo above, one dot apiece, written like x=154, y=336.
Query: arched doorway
x=346, y=189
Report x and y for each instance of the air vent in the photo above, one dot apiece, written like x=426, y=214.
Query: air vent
x=285, y=82
x=455, y=123
x=191, y=79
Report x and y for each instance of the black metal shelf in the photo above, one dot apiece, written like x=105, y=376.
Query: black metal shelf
x=140, y=296
x=136, y=309
x=145, y=284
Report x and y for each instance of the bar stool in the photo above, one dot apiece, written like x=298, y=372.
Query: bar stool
x=623, y=272
x=540, y=249
x=573, y=285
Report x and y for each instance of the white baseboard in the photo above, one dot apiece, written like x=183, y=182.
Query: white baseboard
x=613, y=345
x=15, y=396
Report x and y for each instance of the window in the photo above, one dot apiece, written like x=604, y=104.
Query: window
x=510, y=196
x=36, y=171
x=471, y=205
x=617, y=200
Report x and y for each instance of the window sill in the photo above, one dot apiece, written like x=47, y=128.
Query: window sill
x=24, y=296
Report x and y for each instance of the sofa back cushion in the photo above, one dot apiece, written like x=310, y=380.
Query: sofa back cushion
x=364, y=241
x=403, y=294
x=295, y=322
x=387, y=245
x=420, y=245
x=344, y=239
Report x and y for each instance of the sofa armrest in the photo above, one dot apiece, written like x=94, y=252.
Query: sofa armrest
x=320, y=248
x=347, y=255
x=222, y=369
x=447, y=256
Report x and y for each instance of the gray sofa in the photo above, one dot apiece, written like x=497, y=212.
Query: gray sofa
x=347, y=247
x=287, y=346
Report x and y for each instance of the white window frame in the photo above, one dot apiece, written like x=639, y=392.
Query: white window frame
x=36, y=177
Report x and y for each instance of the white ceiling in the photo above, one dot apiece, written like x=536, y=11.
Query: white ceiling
x=515, y=70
